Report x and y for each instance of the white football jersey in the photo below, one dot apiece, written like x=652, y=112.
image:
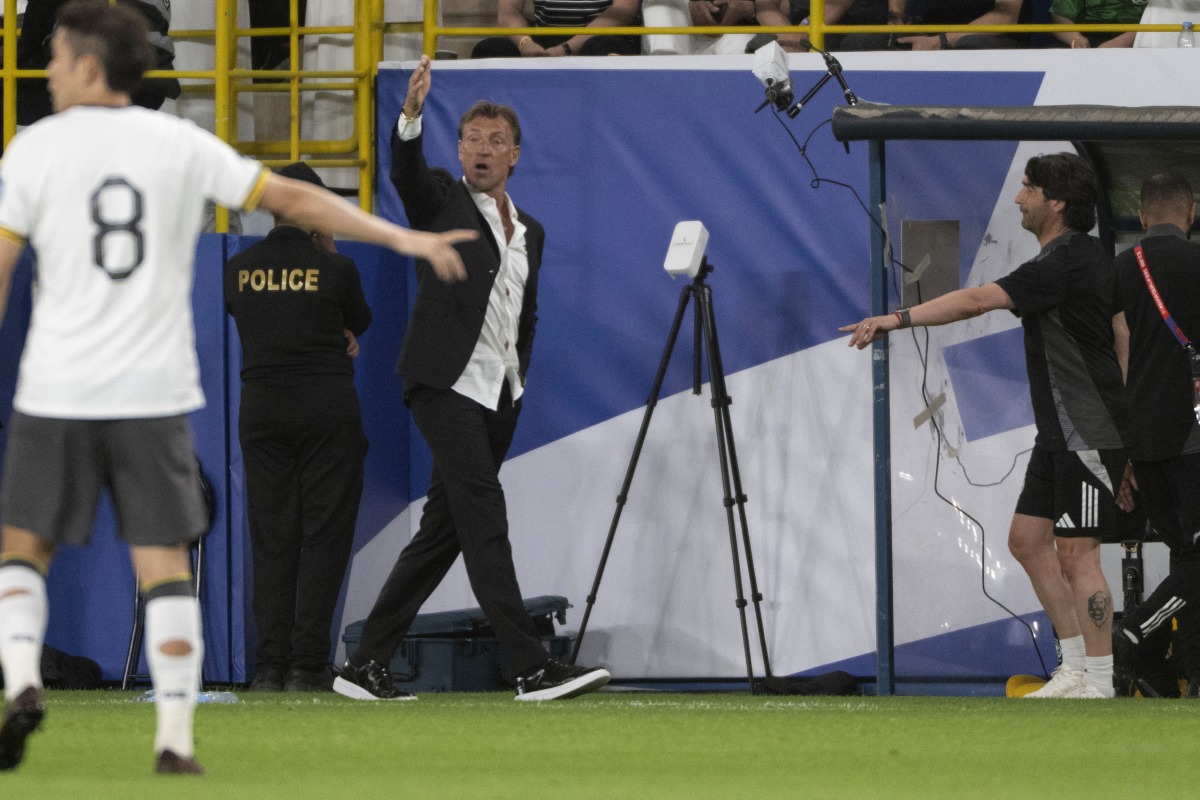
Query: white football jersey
x=111, y=199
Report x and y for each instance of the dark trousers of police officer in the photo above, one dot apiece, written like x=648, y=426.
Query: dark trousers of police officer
x=303, y=456
x=465, y=513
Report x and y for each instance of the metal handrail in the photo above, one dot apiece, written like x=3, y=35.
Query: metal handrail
x=226, y=81
x=816, y=29
x=816, y=32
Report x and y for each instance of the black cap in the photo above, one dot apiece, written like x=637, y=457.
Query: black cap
x=302, y=172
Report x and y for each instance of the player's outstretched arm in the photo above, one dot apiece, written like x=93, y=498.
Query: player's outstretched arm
x=951, y=307
x=322, y=210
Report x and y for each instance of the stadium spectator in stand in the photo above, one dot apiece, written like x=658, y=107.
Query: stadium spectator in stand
x=900, y=12
x=299, y=308
x=110, y=198
x=464, y=361
x=700, y=13
x=1164, y=434
x=562, y=14
x=33, y=52
x=273, y=52
x=1096, y=12
x=1075, y=351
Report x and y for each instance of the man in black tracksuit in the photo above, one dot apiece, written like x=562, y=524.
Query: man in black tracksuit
x=1073, y=483
x=299, y=309
x=1165, y=436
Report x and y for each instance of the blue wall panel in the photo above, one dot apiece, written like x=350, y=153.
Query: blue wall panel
x=611, y=160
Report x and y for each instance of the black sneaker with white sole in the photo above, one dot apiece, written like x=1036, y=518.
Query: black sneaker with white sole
x=554, y=680
x=371, y=681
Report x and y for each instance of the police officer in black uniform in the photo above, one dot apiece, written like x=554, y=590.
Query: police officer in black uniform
x=299, y=308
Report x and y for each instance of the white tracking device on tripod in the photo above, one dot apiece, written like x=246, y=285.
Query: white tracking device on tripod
x=685, y=255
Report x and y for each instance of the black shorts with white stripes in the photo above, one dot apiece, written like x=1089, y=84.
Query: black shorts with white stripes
x=1077, y=489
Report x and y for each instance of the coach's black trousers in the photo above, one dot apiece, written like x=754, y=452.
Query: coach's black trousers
x=303, y=459
x=465, y=513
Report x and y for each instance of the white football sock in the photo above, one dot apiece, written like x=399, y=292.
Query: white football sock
x=1073, y=652
x=172, y=621
x=23, y=616
x=1099, y=673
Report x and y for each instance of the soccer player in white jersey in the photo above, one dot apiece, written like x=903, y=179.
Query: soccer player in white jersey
x=110, y=197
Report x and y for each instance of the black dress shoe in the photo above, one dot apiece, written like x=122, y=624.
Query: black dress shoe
x=371, y=681
x=554, y=680
x=21, y=718
x=310, y=680
x=268, y=679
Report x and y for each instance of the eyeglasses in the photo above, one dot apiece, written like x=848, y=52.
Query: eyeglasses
x=496, y=141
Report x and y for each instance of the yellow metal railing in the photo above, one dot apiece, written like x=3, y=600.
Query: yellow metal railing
x=230, y=82
x=10, y=69
x=816, y=29
x=226, y=81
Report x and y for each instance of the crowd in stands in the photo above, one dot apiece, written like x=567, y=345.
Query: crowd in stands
x=749, y=14
x=271, y=52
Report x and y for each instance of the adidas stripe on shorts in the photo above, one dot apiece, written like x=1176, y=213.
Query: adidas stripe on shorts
x=1077, y=490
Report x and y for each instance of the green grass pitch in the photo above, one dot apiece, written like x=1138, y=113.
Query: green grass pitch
x=97, y=745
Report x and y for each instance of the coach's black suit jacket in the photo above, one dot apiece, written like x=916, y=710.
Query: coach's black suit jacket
x=447, y=318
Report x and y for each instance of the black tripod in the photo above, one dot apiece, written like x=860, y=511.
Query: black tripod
x=731, y=480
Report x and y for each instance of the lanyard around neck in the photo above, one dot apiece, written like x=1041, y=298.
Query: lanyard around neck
x=1158, y=301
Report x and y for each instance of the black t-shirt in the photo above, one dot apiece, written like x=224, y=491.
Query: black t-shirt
x=861, y=12
x=955, y=12
x=1162, y=423
x=291, y=301
x=1064, y=298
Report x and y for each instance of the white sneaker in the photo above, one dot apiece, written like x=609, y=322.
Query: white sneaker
x=1085, y=691
x=1063, y=683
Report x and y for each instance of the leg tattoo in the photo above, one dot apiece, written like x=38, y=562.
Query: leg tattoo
x=1100, y=608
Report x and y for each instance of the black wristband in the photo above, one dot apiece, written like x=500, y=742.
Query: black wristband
x=567, y=49
x=945, y=42
x=905, y=318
